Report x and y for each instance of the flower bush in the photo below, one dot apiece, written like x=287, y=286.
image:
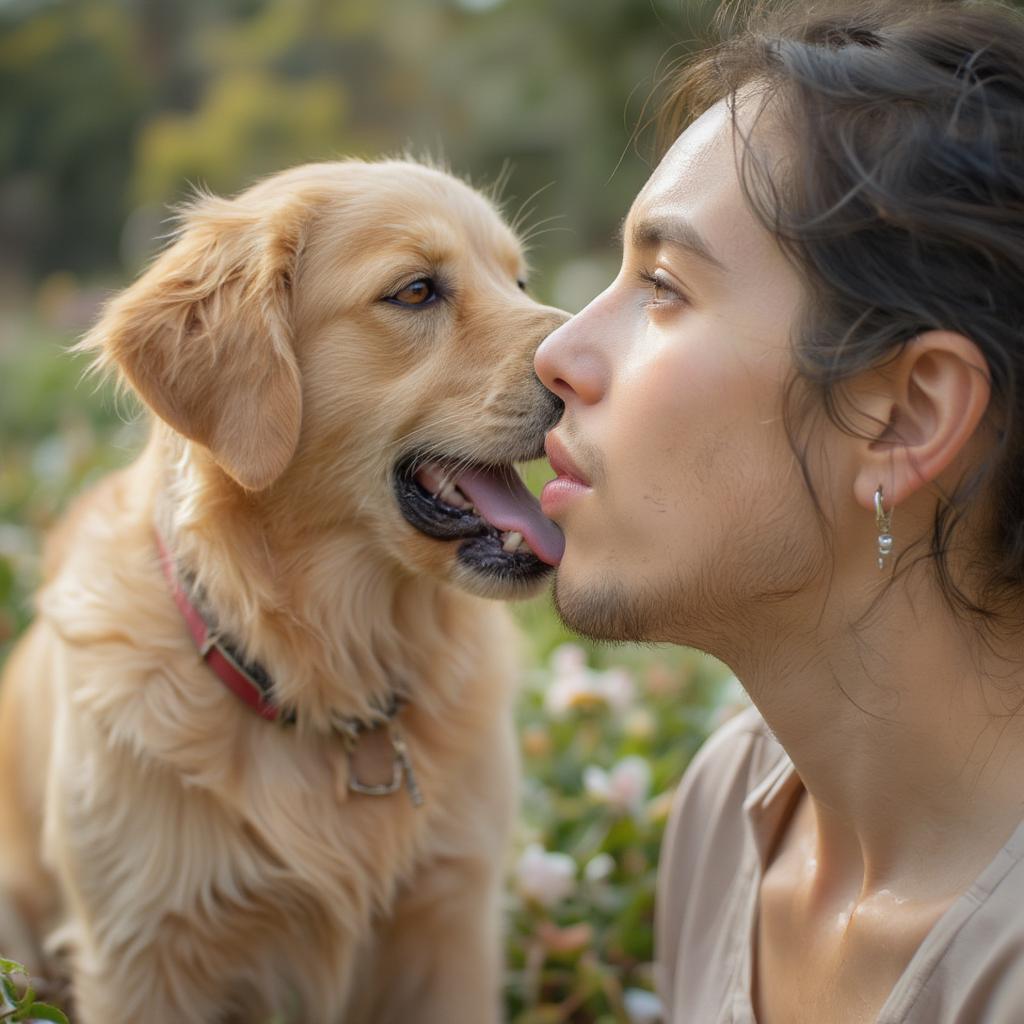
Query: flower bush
x=605, y=736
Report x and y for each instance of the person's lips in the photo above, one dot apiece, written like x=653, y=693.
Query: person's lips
x=569, y=483
x=561, y=460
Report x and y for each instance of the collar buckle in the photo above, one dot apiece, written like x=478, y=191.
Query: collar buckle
x=401, y=767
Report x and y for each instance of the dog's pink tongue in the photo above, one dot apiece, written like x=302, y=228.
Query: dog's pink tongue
x=504, y=501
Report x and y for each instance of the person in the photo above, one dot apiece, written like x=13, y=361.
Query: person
x=793, y=439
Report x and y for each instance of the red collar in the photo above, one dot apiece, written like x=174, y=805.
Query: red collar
x=252, y=684
x=249, y=683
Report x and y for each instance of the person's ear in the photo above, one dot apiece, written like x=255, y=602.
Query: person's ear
x=205, y=338
x=921, y=409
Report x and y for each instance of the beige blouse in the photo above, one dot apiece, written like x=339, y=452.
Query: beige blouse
x=730, y=805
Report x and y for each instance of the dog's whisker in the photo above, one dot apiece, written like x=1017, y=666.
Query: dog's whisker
x=528, y=230
x=540, y=229
x=517, y=220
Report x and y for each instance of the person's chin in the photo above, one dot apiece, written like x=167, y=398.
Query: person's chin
x=596, y=606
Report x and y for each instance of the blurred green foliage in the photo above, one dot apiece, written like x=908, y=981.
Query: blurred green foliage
x=109, y=107
x=57, y=434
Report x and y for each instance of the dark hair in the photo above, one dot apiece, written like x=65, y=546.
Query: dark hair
x=902, y=206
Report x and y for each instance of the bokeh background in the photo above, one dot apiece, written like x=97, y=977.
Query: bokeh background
x=112, y=110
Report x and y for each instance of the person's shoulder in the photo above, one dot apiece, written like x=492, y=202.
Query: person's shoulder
x=707, y=810
x=970, y=968
x=978, y=975
x=977, y=978
x=707, y=824
x=707, y=846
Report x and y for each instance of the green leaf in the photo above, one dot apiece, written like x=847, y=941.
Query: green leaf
x=11, y=967
x=25, y=1002
x=10, y=993
x=43, y=1011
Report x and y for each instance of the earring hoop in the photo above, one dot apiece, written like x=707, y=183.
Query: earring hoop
x=883, y=520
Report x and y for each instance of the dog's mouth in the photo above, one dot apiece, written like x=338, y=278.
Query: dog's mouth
x=489, y=508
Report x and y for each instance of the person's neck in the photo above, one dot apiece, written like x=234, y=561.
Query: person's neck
x=908, y=737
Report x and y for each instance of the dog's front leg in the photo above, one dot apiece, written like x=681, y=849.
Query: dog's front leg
x=438, y=959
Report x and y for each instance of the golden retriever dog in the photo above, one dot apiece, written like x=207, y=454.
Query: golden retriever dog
x=256, y=746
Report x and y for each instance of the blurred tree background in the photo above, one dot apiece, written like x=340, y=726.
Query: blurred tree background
x=111, y=111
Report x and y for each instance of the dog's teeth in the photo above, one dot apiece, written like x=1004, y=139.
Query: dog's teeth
x=525, y=548
x=513, y=542
x=451, y=495
x=431, y=479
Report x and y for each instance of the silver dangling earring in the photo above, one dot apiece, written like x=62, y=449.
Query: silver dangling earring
x=883, y=520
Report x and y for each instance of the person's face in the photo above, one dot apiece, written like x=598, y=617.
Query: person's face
x=691, y=516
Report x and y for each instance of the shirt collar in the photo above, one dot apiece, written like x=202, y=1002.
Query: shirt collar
x=769, y=803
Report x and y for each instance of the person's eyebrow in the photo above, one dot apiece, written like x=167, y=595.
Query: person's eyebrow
x=679, y=234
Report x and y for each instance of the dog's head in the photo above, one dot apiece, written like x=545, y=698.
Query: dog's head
x=351, y=346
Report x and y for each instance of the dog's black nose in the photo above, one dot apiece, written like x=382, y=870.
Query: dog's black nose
x=552, y=407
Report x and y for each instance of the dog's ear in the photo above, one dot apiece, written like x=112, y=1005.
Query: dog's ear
x=205, y=337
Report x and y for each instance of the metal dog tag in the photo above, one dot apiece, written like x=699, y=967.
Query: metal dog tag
x=401, y=770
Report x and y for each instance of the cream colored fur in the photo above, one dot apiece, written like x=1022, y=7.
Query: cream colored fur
x=189, y=861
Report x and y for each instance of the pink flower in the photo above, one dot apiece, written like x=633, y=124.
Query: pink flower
x=543, y=877
x=625, y=787
x=599, y=868
x=574, y=685
x=568, y=659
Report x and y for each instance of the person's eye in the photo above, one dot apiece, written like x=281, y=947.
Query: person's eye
x=420, y=292
x=662, y=290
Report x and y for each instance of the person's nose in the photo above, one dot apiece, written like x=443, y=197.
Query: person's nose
x=571, y=361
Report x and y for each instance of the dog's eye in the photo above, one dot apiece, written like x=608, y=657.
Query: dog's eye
x=418, y=293
x=522, y=285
